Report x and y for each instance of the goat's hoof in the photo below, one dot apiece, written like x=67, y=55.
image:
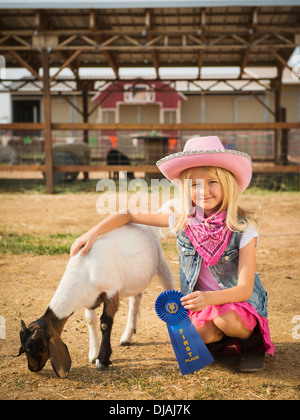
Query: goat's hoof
x=100, y=366
x=125, y=343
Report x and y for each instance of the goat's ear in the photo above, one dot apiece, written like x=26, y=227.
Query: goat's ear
x=22, y=332
x=21, y=351
x=59, y=357
x=23, y=326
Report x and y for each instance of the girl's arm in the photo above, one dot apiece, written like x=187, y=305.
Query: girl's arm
x=114, y=221
x=198, y=300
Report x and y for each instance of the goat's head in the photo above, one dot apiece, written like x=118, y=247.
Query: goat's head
x=34, y=345
x=40, y=343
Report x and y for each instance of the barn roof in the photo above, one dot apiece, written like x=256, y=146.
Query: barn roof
x=115, y=4
x=150, y=92
x=108, y=34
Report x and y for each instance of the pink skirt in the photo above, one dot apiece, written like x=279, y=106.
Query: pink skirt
x=247, y=313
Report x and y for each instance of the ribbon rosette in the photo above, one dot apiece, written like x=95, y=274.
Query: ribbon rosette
x=189, y=348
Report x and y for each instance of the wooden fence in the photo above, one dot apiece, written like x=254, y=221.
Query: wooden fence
x=48, y=168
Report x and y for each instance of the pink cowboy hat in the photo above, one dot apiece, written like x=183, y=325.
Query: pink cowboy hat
x=207, y=151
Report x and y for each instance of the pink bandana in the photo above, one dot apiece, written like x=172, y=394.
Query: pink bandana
x=210, y=239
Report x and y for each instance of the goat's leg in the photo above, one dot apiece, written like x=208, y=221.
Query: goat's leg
x=132, y=320
x=106, y=322
x=91, y=319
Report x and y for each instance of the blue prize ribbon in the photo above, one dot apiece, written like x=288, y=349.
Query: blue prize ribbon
x=190, y=351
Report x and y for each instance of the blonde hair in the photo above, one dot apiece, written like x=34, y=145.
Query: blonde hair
x=237, y=218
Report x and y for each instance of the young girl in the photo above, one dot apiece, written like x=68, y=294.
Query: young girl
x=216, y=241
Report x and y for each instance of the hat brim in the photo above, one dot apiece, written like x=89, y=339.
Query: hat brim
x=238, y=163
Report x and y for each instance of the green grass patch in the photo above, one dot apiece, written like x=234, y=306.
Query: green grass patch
x=37, y=245
x=283, y=182
x=37, y=186
x=60, y=243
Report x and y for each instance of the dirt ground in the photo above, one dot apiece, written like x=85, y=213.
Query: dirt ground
x=148, y=369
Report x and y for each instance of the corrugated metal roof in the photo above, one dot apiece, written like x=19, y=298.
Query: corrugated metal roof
x=118, y=4
x=209, y=83
x=157, y=37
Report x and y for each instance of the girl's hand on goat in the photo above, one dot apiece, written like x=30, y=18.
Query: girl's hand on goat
x=114, y=221
x=85, y=242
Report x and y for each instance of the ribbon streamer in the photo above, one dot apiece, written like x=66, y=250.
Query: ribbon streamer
x=190, y=351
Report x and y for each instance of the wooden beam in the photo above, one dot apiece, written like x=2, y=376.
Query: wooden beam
x=66, y=64
x=132, y=41
x=67, y=41
x=22, y=168
x=257, y=168
x=21, y=41
x=150, y=127
x=73, y=68
x=150, y=41
x=202, y=30
x=67, y=99
x=112, y=61
x=93, y=20
x=272, y=169
x=252, y=29
x=155, y=62
x=181, y=126
x=281, y=60
x=135, y=30
x=135, y=46
x=22, y=126
x=263, y=104
x=25, y=64
x=110, y=56
x=107, y=168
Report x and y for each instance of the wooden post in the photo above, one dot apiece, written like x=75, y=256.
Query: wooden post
x=285, y=140
x=278, y=133
x=85, y=86
x=47, y=123
x=85, y=113
x=85, y=119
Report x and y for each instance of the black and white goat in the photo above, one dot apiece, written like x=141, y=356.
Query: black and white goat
x=120, y=264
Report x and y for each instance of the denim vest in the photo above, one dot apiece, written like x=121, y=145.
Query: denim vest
x=225, y=271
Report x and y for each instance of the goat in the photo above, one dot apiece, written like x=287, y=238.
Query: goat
x=121, y=263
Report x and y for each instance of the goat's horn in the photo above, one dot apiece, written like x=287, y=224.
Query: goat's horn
x=35, y=335
x=23, y=326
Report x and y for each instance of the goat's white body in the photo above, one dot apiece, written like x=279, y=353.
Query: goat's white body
x=121, y=261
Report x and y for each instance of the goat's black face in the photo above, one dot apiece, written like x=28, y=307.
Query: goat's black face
x=34, y=345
